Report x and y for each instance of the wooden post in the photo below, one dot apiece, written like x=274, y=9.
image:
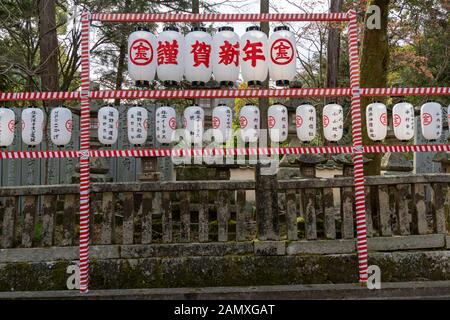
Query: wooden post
x=9, y=222
x=108, y=215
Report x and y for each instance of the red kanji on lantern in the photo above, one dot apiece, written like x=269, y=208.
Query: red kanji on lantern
x=253, y=52
x=167, y=52
x=202, y=52
x=282, y=52
x=229, y=53
x=141, y=52
x=427, y=119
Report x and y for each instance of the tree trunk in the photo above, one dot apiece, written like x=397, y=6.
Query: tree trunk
x=123, y=50
x=333, y=49
x=374, y=68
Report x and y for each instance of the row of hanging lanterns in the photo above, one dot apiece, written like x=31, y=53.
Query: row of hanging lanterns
x=403, y=121
x=198, y=55
x=222, y=117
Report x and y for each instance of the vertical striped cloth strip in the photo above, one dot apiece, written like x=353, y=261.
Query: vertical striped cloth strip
x=217, y=17
x=84, y=155
x=227, y=93
x=358, y=169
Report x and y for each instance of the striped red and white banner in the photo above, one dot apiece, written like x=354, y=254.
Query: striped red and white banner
x=217, y=17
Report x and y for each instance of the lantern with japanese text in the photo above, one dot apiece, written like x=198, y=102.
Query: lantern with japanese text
x=249, y=121
x=60, y=126
x=222, y=119
x=254, y=62
x=377, y=121
x=32, y=126
x=170, y=58
x=108, y=125
x=7, y=125
x=137, y=125
x=306, y=122
x=198, y=47
x=141, y=56
x=282, y=56
x=333, y=122
x=193, y=120
x=225, y=57
x=403, y=121
x=431, y=118
x=277, y=122
x=166, y=124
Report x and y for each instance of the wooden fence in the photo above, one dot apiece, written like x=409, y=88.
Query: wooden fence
x=218, y=211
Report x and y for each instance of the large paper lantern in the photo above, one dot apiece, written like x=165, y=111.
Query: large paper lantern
x=193, y=120
x=142, y=56
x=277, y=122
x=225, y=57
x=403, y=121
x=431, y=119
x=222, y=120
x=249, y=121
x=166, y=124
x=377, y=121
x=333, y=122
x=197, y=52
x=7, y=125
x=108, y=125
x=254, y=60
x=60, y=126
x=137, y=125
x=306, y=122
x=170, y=56
x=32, y=126
x=282, y=56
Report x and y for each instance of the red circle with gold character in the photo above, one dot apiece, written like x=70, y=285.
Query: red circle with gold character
x=243, y=122
x=11, y=125
x=215, y=122
x=283, y=51
x=143, y=52
x=326, y=121
x=298, y=121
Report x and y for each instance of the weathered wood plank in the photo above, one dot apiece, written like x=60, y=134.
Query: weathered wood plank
x=439, y=223
x=369, y=223
x=107, y=228
x=241, y=216
x=419, y=223
x=70, y=208
x=329, y=218
x=310, y=214
x=48, y=220
x=385, y=211
x=128, y=218
x=291, y=215
x=9, y=222
x=29, y=214
x=222, y=215
x=147, y=216
x=203, y=217
x=347, y=201
x=402, y=209
x=166, y=217
x=185, y=217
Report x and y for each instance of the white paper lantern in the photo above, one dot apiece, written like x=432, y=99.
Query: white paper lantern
x=108, y=125
x=431, y=119
x=142, y=56
x=254, y=56
x=198, y=50
x=333, y=122
x=225, y=57
x=277, y=122
x=282, y=56
x=137, y=125
x=403, y=121
x=249, y=121
x=193, y=120
x=306, y=122
x=222, y=120
x=60, y=126
x=377, y=121
x=7, y=125
x=170, y=57
x=166, y=124
x=32, y=126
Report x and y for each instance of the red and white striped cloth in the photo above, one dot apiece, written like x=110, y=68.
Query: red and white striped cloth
x=217, y=17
